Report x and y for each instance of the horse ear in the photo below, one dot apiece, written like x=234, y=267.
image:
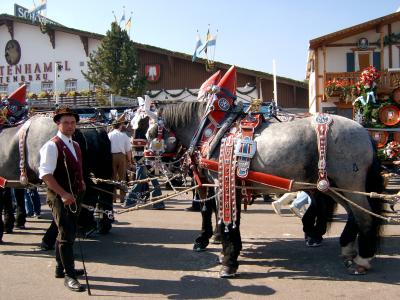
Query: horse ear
x=228, y=82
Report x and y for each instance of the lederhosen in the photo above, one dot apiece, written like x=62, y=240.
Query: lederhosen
x=64, y=217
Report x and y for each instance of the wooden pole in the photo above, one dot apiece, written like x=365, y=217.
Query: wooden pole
x=382, y=48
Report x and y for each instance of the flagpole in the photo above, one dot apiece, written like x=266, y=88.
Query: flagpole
x=275, y=88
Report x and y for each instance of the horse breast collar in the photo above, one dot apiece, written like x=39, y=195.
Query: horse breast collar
x=322, y=123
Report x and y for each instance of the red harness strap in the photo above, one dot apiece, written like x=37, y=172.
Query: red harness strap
x=322, y=122
x=227, y=182
x=244, y=151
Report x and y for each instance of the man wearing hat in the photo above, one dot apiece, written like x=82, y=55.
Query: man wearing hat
x=61, y=169
x=121, y=152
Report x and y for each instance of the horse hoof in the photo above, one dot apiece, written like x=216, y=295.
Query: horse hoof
x=220, y=258
x=227, y=272
x=199, y=247
x=216, y=239
x=355, y=269
x=348, y=262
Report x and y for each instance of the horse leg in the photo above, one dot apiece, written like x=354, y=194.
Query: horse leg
x=1, y=216
x=316, y=218
x=20, y=212
x=216, y=238
x=9, y=217
x=202, y=240
x=368, y=233
x=348, y=241
x=231, y=245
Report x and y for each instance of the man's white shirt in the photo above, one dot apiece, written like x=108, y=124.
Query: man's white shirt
x=49, y=155
x=119, y=142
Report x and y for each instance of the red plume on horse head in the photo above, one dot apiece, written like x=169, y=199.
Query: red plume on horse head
x=228, y=82
x=213, y=80
x=18, y=97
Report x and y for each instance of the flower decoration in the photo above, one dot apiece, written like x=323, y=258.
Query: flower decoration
x=392, y=150
x=368, y=78
x=341, y=88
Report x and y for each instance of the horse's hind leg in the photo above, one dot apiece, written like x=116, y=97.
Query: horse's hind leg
x=348, y=241
x=367, y=228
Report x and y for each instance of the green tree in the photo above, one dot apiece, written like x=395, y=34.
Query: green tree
x=114, y=65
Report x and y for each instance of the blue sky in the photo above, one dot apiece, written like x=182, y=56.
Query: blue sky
x=251, y=33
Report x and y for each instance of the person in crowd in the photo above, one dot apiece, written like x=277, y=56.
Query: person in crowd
x=141, y=191
x=121, y=154
x=61, y=169
x=32, y=203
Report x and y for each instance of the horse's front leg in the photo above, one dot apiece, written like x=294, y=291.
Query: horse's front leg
x=231, y=245
x=202, y=240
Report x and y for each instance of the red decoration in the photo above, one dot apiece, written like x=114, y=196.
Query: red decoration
x=389, y=115
x=18, y=96
x=152, y=72
x=380, y=137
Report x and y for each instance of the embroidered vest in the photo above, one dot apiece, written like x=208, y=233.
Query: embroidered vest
x=74, y=167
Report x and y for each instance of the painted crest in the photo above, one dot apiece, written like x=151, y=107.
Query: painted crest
x=152, y=72
x=223, y=104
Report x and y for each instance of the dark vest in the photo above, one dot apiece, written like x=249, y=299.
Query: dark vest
x=74, y=167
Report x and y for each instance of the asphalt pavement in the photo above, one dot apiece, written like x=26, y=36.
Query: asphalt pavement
x=148, y=255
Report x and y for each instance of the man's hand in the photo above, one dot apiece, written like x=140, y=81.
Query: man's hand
x=67, y=198
x=84, y=185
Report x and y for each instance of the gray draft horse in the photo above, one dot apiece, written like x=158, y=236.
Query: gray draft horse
x=41, y=129
x=95, y=147
x=290, y=150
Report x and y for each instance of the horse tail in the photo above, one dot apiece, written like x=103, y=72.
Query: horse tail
x=375, y=183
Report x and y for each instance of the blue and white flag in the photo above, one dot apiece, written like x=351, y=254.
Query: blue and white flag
x=122, y=19
x=197, y=46
x=208, y=36
x=36, y=9
x=211, y=40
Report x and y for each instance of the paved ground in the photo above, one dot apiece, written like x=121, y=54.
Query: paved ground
x=148, y=255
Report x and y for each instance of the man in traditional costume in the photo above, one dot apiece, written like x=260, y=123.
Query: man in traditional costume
x=61, y=170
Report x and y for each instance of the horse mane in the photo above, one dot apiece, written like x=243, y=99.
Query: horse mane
x=181, y=114
x=143, y=126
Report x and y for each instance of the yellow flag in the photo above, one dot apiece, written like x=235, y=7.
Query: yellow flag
x=128, y=24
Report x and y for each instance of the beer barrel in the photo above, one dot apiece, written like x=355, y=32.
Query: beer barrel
x=380, y=137
x=389, y=115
